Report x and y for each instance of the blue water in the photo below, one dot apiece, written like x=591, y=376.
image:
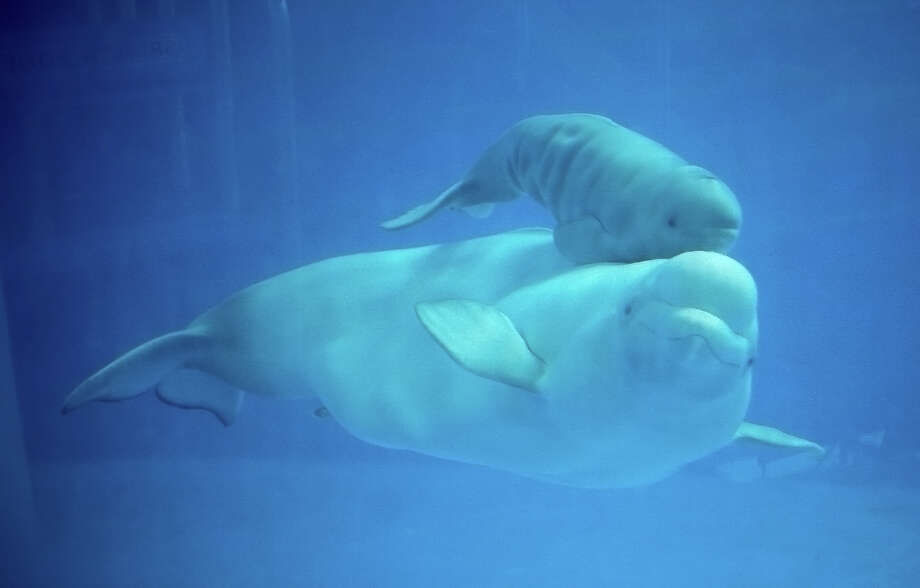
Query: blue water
x=155, y=162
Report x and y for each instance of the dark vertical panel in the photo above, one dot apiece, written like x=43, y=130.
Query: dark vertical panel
x=222, y=63
x=17, y=516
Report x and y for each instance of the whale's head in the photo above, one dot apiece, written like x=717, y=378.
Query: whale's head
x=663, y=376
x=690, y=343
x=691, y=327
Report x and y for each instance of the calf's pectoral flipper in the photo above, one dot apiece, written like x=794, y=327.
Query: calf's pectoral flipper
x=580, y=239
x=772, y=436
x=155, y=363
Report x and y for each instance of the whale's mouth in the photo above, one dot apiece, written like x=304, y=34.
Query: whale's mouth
x=695, y=325
x=721, y=238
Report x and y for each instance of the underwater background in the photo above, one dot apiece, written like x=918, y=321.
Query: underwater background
x=160, y=155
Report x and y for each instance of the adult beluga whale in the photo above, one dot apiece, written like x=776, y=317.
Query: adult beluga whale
x=615, y=194
x=493, y=351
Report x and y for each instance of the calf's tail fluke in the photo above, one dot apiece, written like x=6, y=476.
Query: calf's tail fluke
x=422, y=211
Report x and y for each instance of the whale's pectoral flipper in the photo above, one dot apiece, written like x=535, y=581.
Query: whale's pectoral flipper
x=189, y=388
x=483, y=340
x=772, y=436
x=462, y=194
x=139, y=369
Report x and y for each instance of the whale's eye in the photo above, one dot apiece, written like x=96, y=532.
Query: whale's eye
x=750, y=361
x=628, y=310
x=672, y=221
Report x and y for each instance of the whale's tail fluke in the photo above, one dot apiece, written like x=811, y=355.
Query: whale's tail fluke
x=161, y=362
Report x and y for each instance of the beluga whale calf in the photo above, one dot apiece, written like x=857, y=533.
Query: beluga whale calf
x=494, y=351
x=616, y=195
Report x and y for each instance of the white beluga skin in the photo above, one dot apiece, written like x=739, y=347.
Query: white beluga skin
x=615, y=194
x=494, y=351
